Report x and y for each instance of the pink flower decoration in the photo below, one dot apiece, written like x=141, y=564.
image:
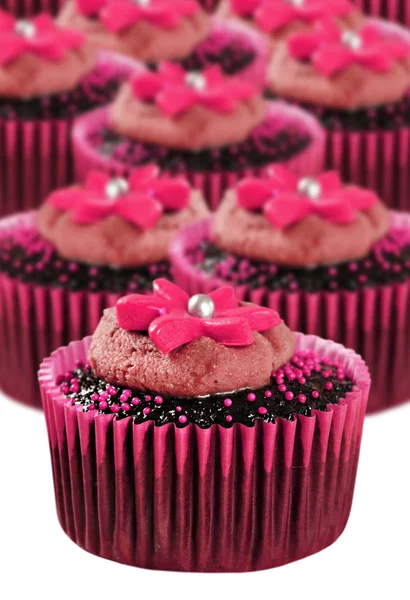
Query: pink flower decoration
x=173, y=319
x=140, y=200
x=175, y=91
x=272, y=15
x=285, y=199
x=40, y=36
x=332, y=50
x=122, y=14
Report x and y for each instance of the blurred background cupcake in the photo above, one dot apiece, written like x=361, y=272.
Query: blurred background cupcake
x=30, y=8
x=209, y=127
x=83, y=249
x=358, y=84
x=331, y=258
x=212, y=400
x=48, y=76
x=277, y=19
x=160, y=30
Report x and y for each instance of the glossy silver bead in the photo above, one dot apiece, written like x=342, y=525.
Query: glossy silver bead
x=195, y=80
x=116, y=187
x=297, y=3
x=310, y=187
x=25, y=28
x=142, y=2
x=201, y=306
x=351, y=39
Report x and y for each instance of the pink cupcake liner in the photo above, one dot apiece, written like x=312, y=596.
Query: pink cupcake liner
x=374, y=321
x=36, y=155
x=212, y=184
x=375, y=159
x=37, y=319
x=394, y=10
x=184, y=499
x=29, y=8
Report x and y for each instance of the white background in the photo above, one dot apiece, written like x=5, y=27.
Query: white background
x=371, y=560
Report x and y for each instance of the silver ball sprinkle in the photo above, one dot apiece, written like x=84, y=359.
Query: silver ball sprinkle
x=116, y=187
x=310, y=187
x=195, y=80
x=297, y=3
x=25, y=28
x=352, y=40
x=142, y=2
x=201, y=306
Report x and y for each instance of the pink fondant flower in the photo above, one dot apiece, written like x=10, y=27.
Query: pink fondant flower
x=272, y=15
x=175, y=91
x=332, y=50
x=122, y=14
x=285, y=199
x=40, y=36
x=173, y=319
x=140, y=200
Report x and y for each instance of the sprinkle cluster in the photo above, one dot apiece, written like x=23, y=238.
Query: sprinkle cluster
x=96, y=89
x=385, y=117
x=304, y=384
x=232, y=51
x=25, y=255
x=388, y=262
x=264, y=146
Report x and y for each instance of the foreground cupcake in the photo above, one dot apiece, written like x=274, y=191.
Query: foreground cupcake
x=83, y=249
x=358, y=84
x=160, y=30
x=277, y=19
x=175, y=398
x=48, y=76
x=330, y=257
x=209, y=127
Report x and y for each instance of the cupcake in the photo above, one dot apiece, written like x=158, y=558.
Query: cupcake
x=29, y=8
x=331, y=258
x=48, y=76
x=167, y=424
x=84, y=248
x=209, y=127
x=394, y=10
x=277, y=19
x=357, y=83
x=160, y=30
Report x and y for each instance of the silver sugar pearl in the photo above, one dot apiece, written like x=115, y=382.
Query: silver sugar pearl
x=195, y=80
x=201, y=306
x=297, y=3
x=351, y=39
x=310, y=187
x=25, y=28
x=142, y=2
x=116, y=187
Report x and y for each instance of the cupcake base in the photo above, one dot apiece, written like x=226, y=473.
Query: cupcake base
x=37, y=318
x=375, y=321
x=212, y=182
x=184, y=499
x=36, y=154
x=30, y=8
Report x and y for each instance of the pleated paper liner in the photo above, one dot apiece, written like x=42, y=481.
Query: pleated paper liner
x=213, y=184
x=37, y=319
x=36, y=155
x=374, y=321
x=394, y=10
x=209, y=5
x=184, y=499
x=376, y=159
x=30, y=8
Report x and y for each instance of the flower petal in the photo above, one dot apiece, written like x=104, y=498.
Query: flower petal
x=258, y=317
x=252, y=193
x=136, y=312
x=171, y=293
x=140, y=209
x=229, y=331
x=170, y=332
x=224, y=298
x=173, y=193
x=96, y=182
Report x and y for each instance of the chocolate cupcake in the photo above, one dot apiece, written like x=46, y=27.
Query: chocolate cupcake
x=167, y=424
x=331, y=258
x=48, y=76
x=159, y=30
x=208, y=127
x=82, y=250
x=357, y=83
x=277, y=19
